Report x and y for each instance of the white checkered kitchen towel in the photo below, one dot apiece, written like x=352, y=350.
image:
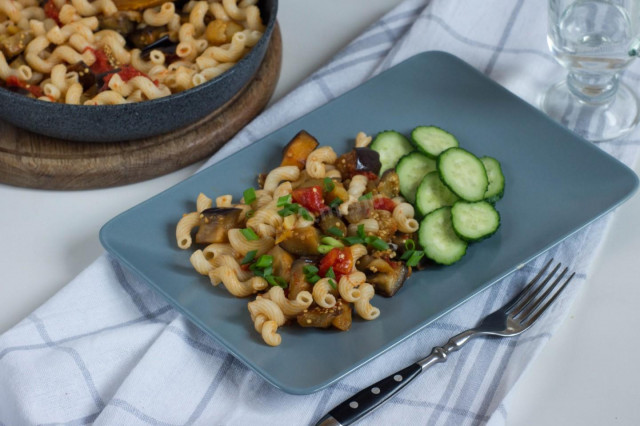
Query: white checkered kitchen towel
x=107, y=350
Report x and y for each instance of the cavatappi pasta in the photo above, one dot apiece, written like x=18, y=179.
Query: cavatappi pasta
x=313, y=244
x=106, y=52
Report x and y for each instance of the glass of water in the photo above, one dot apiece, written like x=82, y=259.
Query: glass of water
x=595, y=40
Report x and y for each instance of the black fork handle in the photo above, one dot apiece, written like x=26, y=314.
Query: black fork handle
x=370, y=398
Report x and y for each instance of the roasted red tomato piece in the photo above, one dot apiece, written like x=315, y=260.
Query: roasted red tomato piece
x=384, y=203
x=340, y=259
x=310, y=198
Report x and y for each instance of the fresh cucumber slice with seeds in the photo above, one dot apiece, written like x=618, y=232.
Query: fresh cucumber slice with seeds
x=391, y=146
x=438, y=239
x=474, y=221
x=463, y=173
x=432, y=140
x=411, y=169
x=495, y=190
x=433, y=194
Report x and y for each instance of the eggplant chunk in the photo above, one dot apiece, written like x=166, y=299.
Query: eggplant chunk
x=339, y=316
x=137, y=4
x=389, y=184
x=282, y=262
x=298, y=149
x=118, y=22
x=388, y=283
x=86, y=77
x=143, y=37
x=215, y=223
x=330, y=220
x=358, y=160
x=359, y=210
x=302, y=242
x=297, y=281
x=15, y=44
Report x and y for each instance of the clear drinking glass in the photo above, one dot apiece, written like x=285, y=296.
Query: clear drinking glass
x=595, y=40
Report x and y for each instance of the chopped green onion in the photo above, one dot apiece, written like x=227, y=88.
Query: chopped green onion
x=328, y=184
x=335, y=202
x=264, y=261
x=249, y=195
x=276, y=281
x=330, y=273
x=409, y=244
x=250, y=213
x=309, y=270
x=324, y=249
x=361, y=233
x=415, y=258
x=331, y=241
x=367, y=196
x=249, y=257
x=334, y=230
x=333, y=284
x=304, y=213
x=286, y=212
x=407, y=254
x=267, y=271
x=353, y=240
x=249, y=234
x=377, y=243
x=284, y=200
x=312, y=279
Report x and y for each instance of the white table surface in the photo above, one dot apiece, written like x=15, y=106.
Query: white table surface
x=587, y=374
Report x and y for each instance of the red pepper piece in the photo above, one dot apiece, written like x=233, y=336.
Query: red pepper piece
x=51, y=11
x=13, y=81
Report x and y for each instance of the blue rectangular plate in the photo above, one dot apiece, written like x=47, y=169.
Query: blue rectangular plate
x=556, y=183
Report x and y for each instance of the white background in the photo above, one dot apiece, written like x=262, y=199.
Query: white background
x=587, y=374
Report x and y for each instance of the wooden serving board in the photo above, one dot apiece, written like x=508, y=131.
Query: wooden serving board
x=36, y=161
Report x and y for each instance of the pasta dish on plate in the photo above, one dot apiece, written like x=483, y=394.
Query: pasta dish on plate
x=313, y=244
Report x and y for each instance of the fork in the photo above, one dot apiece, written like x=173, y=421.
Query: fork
x=510, y=320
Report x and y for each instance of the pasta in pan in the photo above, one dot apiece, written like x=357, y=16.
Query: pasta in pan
x=313, y=244
x=93, y=53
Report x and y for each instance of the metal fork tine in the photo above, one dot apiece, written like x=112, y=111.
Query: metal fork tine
x=518, y=297
x=526, y=312
x=546, y=305
x=531, y=296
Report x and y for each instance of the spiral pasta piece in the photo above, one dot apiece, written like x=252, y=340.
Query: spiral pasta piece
x=403, y=215
x=322, y=293
x=227, y=276
x=290, y=308
x=363, y=306
x=183, y=230
x=243, y=246
x=317, y=159
x=349, y=286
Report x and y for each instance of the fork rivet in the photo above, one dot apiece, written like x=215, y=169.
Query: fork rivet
x=397, y=378
x=353, y=404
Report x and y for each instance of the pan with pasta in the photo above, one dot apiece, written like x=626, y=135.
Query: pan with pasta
x=109, y=52
x=114, y=70
x=313, y=245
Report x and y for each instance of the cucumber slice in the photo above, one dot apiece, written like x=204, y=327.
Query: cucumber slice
x=411, y=169
x=439, y=240
x=496, y=179
x=391, y=146
x=463, y=173
x=432, y=140
x=433, y=194
x=474, y=221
